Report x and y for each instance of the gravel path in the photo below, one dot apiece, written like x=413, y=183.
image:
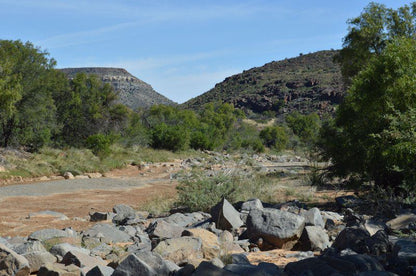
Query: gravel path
x=69, y=186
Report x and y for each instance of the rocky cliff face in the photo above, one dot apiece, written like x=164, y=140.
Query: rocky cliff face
x=308, y=83
x=133, y=92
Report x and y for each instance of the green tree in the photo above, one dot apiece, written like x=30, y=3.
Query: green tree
x=306, y=127
x=373, y=135
x=369, y=33
x=274, y=137
x=28, y=82
x=88, y=108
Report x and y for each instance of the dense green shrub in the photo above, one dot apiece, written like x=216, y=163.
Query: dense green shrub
x=99, y=144
x=246, y=136
x=170, y=137
x=274, y=137
x=201, y=140
x=254, y=144
x=306, y=127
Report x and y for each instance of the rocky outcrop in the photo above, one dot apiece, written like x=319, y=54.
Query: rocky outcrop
x=308, y=83
x=133, y=92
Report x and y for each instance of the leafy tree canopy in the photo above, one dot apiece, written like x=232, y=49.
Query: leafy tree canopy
x=27, y=83
x=370, y=32
x=373, y=135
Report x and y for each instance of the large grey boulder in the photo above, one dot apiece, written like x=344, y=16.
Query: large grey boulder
x=62, y=248
x=56, y=269
x=180, y=250
x=352, y=238
x=35, y=253
x=100, y=270
x=161, y=230
x=279, y=229
x=225, y=216
x=155, y=261
x=133, y=265
x=404, y=256
x=107, y=233
x=313, y=217
x=313, y=238
x=334, y=265
x=142, y=242
x=251, y=205
x=263, y=269
x=332, y=216
x=185, y=220
x=99, y=216
x=27, y=246
x=310, y=266
x=38, y=259
x=12, y=263
x=123, y=213
x=82, y=260
x=208, y=269
x=47, y=234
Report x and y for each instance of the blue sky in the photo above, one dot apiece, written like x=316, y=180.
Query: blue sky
x=182, y=48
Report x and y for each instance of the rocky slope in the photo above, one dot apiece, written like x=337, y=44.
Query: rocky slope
x=308, y=83
x=129, y=242
x=134, y=92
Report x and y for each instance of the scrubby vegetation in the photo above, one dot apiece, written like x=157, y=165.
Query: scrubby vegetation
x=371, y=139
x=40, y=107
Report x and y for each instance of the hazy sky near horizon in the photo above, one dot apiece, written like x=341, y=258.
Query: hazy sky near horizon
x=181, y=47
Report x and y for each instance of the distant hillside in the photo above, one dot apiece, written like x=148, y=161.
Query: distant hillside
x=134, y=93
x=308, y=83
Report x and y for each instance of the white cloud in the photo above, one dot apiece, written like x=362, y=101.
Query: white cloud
x=82, y=37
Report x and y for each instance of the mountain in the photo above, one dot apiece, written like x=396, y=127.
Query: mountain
x=307, y=83
x=133, y=92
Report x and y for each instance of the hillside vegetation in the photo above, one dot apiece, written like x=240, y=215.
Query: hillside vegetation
x=308, y=83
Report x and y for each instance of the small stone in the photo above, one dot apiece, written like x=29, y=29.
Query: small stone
x=68, y=175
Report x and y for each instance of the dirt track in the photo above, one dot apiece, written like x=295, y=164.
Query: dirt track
x=77, y=198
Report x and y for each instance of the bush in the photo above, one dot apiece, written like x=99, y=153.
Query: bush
x=253, y=144
x=274, y=137
x=306, y=127
x=99, y=144
x=170, y=137
x=200, y=140
x=199, y=192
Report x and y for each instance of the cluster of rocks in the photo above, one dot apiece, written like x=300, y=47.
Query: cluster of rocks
x=128, y=242
x=245, y=165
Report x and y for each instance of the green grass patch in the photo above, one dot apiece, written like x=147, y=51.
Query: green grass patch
x=50, y=161
x=200, y=192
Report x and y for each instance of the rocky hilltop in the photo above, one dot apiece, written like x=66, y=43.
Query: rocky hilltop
x=133, y=92
x=307, y=83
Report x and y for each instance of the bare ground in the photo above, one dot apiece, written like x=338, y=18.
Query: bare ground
x=76, y=205
x=152, y=182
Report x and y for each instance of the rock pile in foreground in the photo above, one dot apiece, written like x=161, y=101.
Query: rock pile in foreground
x=127, y=242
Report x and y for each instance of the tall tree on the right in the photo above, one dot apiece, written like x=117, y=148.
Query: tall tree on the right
x=369, y=33
x=373, y=134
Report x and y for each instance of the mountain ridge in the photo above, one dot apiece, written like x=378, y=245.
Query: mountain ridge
x=307, y=83
x=133, y=92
